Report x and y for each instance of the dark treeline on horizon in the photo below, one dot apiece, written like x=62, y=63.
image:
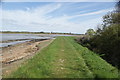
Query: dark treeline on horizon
x=39, y=32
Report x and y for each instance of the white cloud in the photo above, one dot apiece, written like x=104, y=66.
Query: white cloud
x=27, y=8
x=58, y=0
x=91, y=13
x=46, y=9
x=94, y=13
x=36, y=20
x=0, y=19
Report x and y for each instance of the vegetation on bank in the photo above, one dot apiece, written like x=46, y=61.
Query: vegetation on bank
x=64, y=58
x=106, y=39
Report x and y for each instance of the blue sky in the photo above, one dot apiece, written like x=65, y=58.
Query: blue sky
x=75, y=17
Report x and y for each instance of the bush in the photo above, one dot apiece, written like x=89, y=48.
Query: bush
x=108, y=43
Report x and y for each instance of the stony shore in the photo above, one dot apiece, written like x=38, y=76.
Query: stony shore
x=13, y=55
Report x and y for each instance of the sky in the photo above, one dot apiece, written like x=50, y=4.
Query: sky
x=74, y=17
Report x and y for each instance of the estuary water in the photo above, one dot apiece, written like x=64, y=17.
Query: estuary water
x=11, y=39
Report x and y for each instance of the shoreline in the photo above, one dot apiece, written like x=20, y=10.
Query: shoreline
x=16, y=54
x=19, y=41
x=7, y=41
x=10, y=48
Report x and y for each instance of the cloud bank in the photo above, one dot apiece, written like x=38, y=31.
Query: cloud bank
x=37, y=19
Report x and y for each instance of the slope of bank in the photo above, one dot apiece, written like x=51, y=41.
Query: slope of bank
x=14, y=56
x=64, y=58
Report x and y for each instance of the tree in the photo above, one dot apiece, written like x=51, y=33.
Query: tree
x=118, y=6
x=90, y=32
x=106, y=39
x=112, y=17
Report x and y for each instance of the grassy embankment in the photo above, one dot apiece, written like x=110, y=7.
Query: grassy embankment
x=64, y=58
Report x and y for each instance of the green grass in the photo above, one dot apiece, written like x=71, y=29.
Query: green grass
x=99, y=67
x=64, y=58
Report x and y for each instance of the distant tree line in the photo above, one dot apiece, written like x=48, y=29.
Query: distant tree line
x=106, y=39
x=25, y=32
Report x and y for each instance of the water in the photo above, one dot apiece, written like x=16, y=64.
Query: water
x=6, y=37
x=23, y=38
x=11, y=43
x=20, y=37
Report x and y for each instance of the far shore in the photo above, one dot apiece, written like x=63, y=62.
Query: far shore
x=25, y=32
